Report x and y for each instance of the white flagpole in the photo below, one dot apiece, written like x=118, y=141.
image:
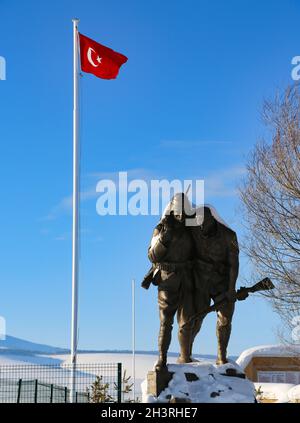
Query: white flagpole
x=133, y=337
x=75, y=228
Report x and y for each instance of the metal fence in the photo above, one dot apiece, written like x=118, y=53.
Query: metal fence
x=61, y=383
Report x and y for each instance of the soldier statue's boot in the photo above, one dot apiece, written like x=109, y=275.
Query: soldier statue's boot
x=161, y=363
x=221, y=359
x=164, y=340
x=182, y=359
x=223, y=335
x=184, y=338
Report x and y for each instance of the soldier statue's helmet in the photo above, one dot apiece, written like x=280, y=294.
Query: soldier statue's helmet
x=179, y=205
x=208, y=212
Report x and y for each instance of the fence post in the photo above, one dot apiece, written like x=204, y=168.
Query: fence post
x=35, y=390
x=19, y=390
x=66, y=394
x=119, y=382
x=51, y=393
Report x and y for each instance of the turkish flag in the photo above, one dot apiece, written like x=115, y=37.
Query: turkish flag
x=99, y=60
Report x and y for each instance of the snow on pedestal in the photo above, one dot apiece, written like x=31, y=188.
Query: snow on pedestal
x=204, y=382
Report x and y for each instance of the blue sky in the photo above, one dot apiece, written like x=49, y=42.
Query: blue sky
x=185, y=105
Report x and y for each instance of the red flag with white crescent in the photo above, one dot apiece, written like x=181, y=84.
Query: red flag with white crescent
x=99, y=60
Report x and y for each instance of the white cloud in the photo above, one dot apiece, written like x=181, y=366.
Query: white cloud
x=65, y=205
x=187, y=144
x=222, y=183
x=63, y=237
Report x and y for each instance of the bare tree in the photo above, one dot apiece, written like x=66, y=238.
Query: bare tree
x=270, y=194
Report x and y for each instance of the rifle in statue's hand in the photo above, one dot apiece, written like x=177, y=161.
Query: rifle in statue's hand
x=241, y=294
x=148, y=278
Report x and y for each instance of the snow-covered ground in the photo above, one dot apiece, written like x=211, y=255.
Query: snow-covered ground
x=277, y=392
x=294, y=394
x=143, y=362
x=23, y=358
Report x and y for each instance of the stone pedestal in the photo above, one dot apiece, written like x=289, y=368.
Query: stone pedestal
x=158, y=381
x=199, y=382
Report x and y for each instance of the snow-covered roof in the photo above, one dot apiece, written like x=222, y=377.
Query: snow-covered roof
x=279, y=350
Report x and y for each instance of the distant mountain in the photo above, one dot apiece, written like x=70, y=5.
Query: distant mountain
x=170, y=353
x=13, y=345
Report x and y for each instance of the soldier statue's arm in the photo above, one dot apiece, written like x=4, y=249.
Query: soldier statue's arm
x=161, y=238
x=233, y=265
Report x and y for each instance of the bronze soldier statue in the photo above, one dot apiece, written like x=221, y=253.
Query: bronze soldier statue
x=215, y=274
x=192, y=265
x=171, y=253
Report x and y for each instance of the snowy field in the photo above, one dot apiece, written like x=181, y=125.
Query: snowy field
x=143, y=362
x=14, y=351
x=278, y=392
